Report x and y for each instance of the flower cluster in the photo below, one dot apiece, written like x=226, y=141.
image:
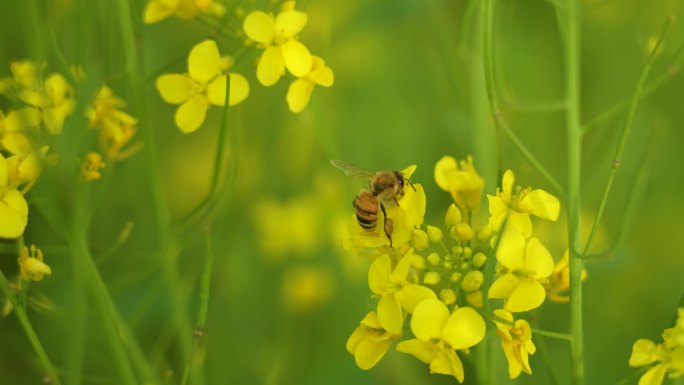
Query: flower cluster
x=435, y=276
x=158, y=10
x=277, y=36
x=666, y=358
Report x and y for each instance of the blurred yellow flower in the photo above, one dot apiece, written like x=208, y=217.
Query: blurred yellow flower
x=395, y=291
x=31, y=265
x=559, y=282
x=24, y=170
x=299, y=93
x=13, y=130
x=516, y=341
x=91, y=166
x=116, y=127
x=527, y=264
x=13, y=206
x=369, y=342
x=203, y=85
x=305, y=289
x=461, y=180
x=157, y=10
x=278, y=36
x=668, y=357
x=518, y=206
x=439, y=334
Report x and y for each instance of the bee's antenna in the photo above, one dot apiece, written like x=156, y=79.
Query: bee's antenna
x=409, y=182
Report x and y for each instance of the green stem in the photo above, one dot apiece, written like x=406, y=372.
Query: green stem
x=20, y=311
x=205, y=289
x=497, y=116
x=572, y=11
x=626, y=129
x=556, y=335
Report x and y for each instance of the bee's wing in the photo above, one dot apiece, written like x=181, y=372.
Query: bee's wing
x=351, y=170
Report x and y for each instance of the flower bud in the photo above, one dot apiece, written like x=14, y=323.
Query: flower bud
x=474, y=298
x=455, y=277
x=447, y=296
x=462, y=232
x=431, y=278
x=467, y=252
x=457, y=250
x=434, y=259
x=417, y=262
x=448, y=265
x=435, y=234
x=419, y=238
x=453, y=215
x=479, y=260
x=472, y=281
x=484, y=234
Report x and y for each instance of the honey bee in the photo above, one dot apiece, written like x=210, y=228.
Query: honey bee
x=385, y=187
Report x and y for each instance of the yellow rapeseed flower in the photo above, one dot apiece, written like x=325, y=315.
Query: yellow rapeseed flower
x=305, y=289
x=439, y=334
x=668, y=357
x=461, y=180
x=370, y=341
x=519, y=205
x=395, y=291
x=31, y=265
x=13, y=206
x=299, y=93
x=203, y=85
x=559, y=281
x=91, y=166
x=13, y=130
x=278, y=36
x=157, y=10
x=528, y=264
x=516, y=341
x=116, y=127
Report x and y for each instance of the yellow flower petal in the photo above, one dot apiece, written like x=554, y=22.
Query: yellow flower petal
x=13, y=214
x=239, y=90
x=514, y=366
x=54, y=118
x=390, y=314
x=526, y=296
x=204, y=61
x=290, y=23
x=401, y=271
x=465, y=328
x=21, y=119
x=511, y=250
x=320, y=74
x=299, y=94
x=503, y=329
x=260, y=27
x=157, y=10
x=17, y=143
x=507, y=185
x=541, y=204
x=429, y=318
x=175, y=88
x=538, y=259
x=411, y=295
x=422, y=350
x=414, y=203
x=644, y=352
x=4, y=172
x=503, y=287
x=379, y=273
x=190, y=115
x=447, y=362
x=271, y=66
x=408, y=171
x=368, y=353
x=297, y=58
x=654, y=376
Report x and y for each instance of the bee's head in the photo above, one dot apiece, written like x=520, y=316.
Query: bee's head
x=402, y=180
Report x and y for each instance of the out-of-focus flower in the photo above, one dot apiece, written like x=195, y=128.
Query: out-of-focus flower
x=527, y=264
x=299, y=93
x=668, y=356
x=13, y=206
x=305, y=289
x=461, y=180
x=369, y=342
x=519, y=205
x=31, y=264
x=24, y=170
x=516, y=341
x=203, y=85
x=559, y=282
x=157, y=10
x=116, y=127
x=14, y=127
x=278, y=37
x=91, y=166
x=439, y=334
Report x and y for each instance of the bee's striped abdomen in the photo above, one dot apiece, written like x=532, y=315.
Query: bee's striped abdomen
x=367, y=206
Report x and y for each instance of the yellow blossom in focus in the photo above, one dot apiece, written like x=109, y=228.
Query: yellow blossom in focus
x=91, y=167
x=116, y=127
x=527, y=265
x=299, y=93
x=278, y=36
x=668, y=357
x=518, y=205
x=516, y=341
x=439, y=334
x=461, y=180
x=369, y=342
x=203, y=85
x=13, y=206
x=305, y=289
x=395, y=291
x=31, y=264
x=559, y=282
x=157, y=10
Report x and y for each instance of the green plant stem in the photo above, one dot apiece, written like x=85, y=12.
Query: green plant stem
x=497, y=116
x=205, y=289
x=20, y=311
x=626, y=129
x=572, y=12
x=556, y=335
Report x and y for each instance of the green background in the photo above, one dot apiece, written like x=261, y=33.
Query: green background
x=409, y=89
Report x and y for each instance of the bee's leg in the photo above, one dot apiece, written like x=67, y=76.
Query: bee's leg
x=396, y=202
x=388, y=224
